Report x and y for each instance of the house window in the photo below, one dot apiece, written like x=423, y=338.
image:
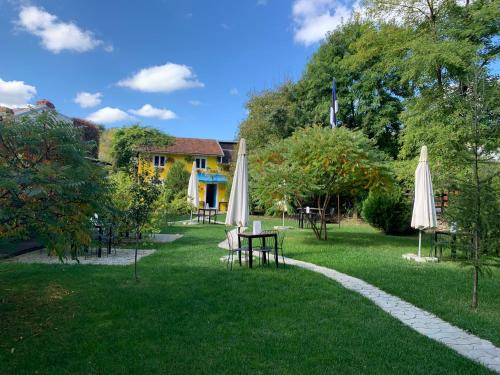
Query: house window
x=201, y=163
x=159, y=161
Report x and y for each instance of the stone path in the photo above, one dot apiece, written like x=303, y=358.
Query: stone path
x=425, y=323
x=123, y=257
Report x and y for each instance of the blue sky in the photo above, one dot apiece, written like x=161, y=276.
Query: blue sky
x=188, y=65
x=185, y=66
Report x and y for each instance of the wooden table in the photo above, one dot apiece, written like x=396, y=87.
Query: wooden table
x=263, y=235
x=203, y=212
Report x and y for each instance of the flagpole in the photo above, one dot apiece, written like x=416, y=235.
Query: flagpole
x=334, y=106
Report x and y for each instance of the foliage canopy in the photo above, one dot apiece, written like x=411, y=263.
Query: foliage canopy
x=49, y=188
x=126, y=140
x=315, y=164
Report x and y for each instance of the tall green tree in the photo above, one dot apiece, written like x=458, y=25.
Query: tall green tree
x=475, y=201
x=430, y=48
x=126, y=140
x=440, y=39
x=271, y=116
x=49, y=188
x=143, y=194
x=369, y=96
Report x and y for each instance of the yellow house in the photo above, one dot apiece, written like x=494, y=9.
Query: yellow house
x=210, y=157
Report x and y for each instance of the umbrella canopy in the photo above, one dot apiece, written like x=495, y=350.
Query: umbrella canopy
x=193, y=197
x=237, y=211
x=424, y=209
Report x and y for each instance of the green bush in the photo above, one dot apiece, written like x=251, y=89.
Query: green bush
x=388, y=211
x=176, y=182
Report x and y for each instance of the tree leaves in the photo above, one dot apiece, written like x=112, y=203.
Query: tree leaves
x=126, y=140
x=316, y=163
x=48, y=187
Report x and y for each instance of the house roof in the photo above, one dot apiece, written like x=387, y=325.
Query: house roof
x=188, y=146
x=37, y=110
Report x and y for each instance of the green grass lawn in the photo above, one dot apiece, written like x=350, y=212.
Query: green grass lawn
x=444, y=289
x=188, y=314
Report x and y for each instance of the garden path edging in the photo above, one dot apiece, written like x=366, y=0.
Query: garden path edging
x=427, y=324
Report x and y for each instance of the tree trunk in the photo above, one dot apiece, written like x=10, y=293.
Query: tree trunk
x=475, y=287
x=439, y=76
x=322, y=219
x=338, y=209
x=135, y=255
x=477, y=222
x=317, y=233
x=323, y=215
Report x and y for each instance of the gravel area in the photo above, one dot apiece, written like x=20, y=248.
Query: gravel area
x=122, y=257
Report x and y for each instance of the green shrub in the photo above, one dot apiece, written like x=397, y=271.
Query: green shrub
x=388, y=211
x=176, y=182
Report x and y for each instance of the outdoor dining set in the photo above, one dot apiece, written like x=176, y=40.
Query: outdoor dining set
x=263, y=242
x=309, y=216
x=207, y=213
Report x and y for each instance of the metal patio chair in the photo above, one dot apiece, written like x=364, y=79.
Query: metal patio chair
x=233, y=248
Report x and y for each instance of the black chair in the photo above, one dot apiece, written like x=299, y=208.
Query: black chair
x=330, y=217
x=95, y=243
x=265, y=249
x=233, y=248
x=270, y=247
x=109, y=240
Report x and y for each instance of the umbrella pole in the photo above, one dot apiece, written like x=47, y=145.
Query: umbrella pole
x=338, y=209
x=283, y=218
x=419, y=243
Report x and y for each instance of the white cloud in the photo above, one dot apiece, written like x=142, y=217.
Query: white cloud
x=87, y=99
x=262, y=2
x=314, y=18
x=15, y=93
x=234, y=91
x=195, y=103
x=147, y=110
x=56, y=35
x=108, y=115
x=162, y=78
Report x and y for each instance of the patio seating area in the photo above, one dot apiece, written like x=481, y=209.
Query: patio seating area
x=250, y=187
x=267, y=245
x=207, y=214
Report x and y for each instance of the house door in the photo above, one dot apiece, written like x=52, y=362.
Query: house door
x=211, y=197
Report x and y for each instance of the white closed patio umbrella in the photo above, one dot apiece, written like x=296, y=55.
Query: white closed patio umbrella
x=237, y=210
x=193, y=196
x=424, y=209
